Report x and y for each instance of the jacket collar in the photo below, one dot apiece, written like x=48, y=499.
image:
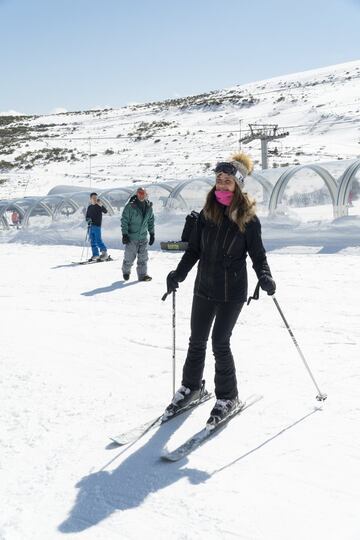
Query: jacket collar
x=134, y=199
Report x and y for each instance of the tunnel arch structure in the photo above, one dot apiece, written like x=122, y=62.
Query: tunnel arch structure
x=41, y=203
x=345, y=183
x=280, y=186
x=74, y=198
x=9, y=205
x=265, y=184
x=176, y=192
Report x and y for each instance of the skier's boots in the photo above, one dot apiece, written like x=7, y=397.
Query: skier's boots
x=126, y=277
x=145, y=278
x=103, y=256
x=93, y=258
x=221, y=410
x=182, y=398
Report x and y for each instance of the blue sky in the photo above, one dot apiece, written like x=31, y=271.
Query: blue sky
x=78, y=54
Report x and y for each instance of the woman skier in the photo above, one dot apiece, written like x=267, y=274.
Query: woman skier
x=226, y=230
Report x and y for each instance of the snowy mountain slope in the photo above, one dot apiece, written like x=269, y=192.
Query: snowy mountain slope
x=85, y=355
x=183, y=137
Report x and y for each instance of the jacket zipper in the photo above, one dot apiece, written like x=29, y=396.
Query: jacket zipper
x=225, y=237
x=202, y=245
x=213, y=258
x=142, y=215
x=199, y=281
x=226, y=295
x=231, y=245
x=226, y=271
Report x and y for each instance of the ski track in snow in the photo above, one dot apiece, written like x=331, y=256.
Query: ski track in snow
x=84, y=357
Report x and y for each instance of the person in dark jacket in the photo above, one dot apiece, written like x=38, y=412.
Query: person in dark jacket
x=226, y=231
x=137, y=220
x=94, y=218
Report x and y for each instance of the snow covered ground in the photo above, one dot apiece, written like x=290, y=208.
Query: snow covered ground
x=311, y=226
x=183, y=137
x=85, y=356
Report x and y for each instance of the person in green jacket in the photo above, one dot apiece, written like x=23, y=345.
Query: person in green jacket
x=136, y=221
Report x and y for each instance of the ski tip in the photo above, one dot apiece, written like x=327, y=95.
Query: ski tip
x=165, y=454
x=167, y=457
x=166, y=416
x=119, y=442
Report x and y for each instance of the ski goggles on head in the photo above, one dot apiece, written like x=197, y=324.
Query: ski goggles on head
x=225, y=167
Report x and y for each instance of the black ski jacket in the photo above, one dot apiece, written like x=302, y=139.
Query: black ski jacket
x=221, y=251
x=94, y=214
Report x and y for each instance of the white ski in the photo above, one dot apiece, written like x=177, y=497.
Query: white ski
x=136, y=433
x=199, y=438
x=94, y=262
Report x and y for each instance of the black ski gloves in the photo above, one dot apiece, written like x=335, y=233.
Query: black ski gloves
x=125, y=239
x=267, y=284
x=152, y=239
x=172, y=282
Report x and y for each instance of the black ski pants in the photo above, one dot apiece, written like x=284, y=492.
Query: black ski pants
x=224, y=315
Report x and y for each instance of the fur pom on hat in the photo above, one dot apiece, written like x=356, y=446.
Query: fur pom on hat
x=239, y=166
x=243, y=163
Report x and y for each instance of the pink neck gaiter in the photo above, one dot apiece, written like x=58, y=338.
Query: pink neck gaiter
x=224, y=197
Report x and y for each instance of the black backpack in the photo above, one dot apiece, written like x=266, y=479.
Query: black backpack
x=190, y=221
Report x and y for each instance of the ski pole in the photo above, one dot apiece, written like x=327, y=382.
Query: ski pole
x=173, y=337
x=85, y=241
x=320, y=396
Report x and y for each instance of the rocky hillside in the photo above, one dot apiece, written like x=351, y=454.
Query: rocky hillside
x=183, y=137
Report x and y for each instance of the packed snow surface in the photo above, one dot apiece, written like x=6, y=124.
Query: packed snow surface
x=85, y=356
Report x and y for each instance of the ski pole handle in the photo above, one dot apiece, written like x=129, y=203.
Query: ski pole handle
x=164, y=297
x=255, y=296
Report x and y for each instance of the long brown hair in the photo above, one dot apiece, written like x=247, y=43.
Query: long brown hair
x=241, y=210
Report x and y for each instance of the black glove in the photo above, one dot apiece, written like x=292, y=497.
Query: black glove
x=125, y=239
x=152, y=239
x=267, y=284
x=172, y=282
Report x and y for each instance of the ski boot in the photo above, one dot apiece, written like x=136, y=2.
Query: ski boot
x=145, y=278
x=93, y=258
x=103, y=256
x=182, y=398
x=221, y=410
x=126, y=277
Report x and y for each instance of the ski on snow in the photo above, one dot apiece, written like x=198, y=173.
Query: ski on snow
x=199, y=438
x=136, y=433
x=94, y=262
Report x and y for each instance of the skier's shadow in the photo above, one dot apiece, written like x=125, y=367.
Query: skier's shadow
x=142, y=473
x=267, y=441
x=69, y=265
x=109, y=288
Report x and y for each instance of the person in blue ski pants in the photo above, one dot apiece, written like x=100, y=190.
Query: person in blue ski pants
x=94, y=218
